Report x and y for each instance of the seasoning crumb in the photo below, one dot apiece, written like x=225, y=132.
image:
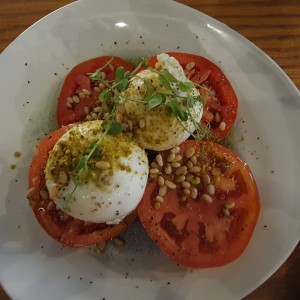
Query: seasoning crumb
x=91, y=282
x=178, y=47
x=136, y=286
x=69, y=277
x=272, y=171
x=55, y=74
x=80, y=278
x=115, y=43
x=197, y=36
x=265, y=226
x=12, y=167
x=28, y=81
x=168, y=283
x=19, y=226
x=42, y=247
x=17, y=154
x=26, y=64
x=167, y=25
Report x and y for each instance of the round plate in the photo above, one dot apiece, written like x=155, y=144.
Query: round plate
x=32, y=69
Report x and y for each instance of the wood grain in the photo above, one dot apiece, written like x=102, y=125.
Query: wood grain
x=274, y=26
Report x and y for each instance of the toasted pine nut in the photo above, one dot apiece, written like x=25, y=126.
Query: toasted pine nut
x=154, y=165
x=101, y=246
x=62, y=177
x=30, y=193
x=194, y=193
x=181, y=178
x=70, y=100
x=168, y=169
x=194, y=159
x=189, y=164
x=159, y=198
x=206, y=179
x=130, y=124
x=229, y=205
x=102, y=165
x=210, y=189
x=195, y=169
x=101, y=86
x=119, y=118
x=206, y=198
x=142, y=123
x=190, y=65
x=181, y=171
x=159, y=160
x=158, y=66
x=171, y=157
x=186, y=184
x=86, y=92
x=175, y=150
x=189, y=152
x=118, y=241
x=81, y=95
x=160, y=180
x=186, y=191
x=169, y=184
x=177, y=158
x=222, y=126
x=217, y=117
x=76, y=99
x=53, y=192
x=36, y=150
x=50, y=205
x=176, y=164
x=86, y=109
x=162, y=190
x=153, y=171
x=226, y=212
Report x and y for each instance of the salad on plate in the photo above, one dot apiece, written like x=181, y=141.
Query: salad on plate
x=146, y=142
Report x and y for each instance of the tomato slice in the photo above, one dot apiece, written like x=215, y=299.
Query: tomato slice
x=220, y=100
x=79, y=94
x=207, y=218
x=60, y=226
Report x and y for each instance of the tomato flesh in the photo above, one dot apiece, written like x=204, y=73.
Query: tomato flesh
x=78, y=81
x=60, y=226
x=217, y=92
x=192, y=231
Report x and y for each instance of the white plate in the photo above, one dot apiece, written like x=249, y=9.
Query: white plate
x=33, y=266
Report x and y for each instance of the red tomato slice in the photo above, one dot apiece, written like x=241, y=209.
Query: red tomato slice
x=60, y=226
x=77, y=81
x=220, y=101
x=210, y=227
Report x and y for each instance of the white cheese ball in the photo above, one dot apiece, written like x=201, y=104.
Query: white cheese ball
x=156, y=129
x=109, y=194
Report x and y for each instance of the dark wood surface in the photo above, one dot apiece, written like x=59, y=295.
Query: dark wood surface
x=274, y=26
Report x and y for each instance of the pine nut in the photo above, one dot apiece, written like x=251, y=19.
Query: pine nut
x=186, y=191
x=97, y=109
x=210, y=189
x=88, y=118
x=189, y=177
x=69, y=105
x=153, y=171
x=176, y=164
x=36, y=150
x=118, y=241
x=86, y=92
x=195, y=169
x=70, y=100
x=177, y=158
x=30, y=193
x=169, y=184
x=194, y=193
x=160, y=180
x=190, y=65
x=101, y=86
x=229, y=205
x=162, y=190
x=189, y=164
x=102, y=165
x=222, y=126
x=154, y=165
x=103, y=75
x=86, y=109
x=97, y=89
x=175, y=150
x=158, y=66
x=206, y=198
x=181, y=178
x=50, y=205
x=194, y=159
x=168, y=169
x=159, y=198
x=186, y=184
x=94, y=116
x=130, y=124
x=62, y=177
x=189, y=152
x=159, y=160
x=76, y=99
x=206, y=179
x=181, y=171
x=226, y=212
x=171, y=157
x=81, y=95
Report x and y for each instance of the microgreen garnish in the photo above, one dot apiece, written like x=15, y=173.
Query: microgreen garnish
x=178, y=97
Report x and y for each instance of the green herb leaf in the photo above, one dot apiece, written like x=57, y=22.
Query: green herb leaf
x=155, y=100
x=82, y=164
x=185, y=86
x=164, y=82
x=119, y=74
x=176, y=110
x=190, y=101
x=122, y=86
x=106, y=95
x=112, y=127
x=95, y=150
x=97, y=75
x=167, y=75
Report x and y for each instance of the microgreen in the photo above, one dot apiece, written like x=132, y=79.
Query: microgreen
x=155, y=100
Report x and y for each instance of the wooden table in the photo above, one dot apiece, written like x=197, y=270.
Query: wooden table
x=274, y=26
